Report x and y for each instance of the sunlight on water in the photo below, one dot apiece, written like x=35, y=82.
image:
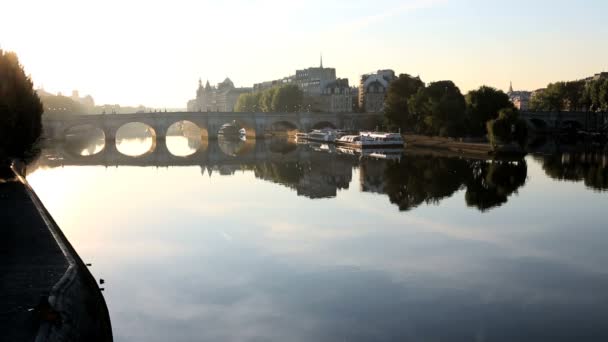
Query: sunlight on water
x=271, y=241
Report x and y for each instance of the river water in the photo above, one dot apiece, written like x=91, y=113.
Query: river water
x=271, y=241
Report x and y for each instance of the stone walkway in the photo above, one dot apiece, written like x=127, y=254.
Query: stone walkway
x=31, y=263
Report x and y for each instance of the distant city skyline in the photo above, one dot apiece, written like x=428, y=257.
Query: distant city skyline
x=153, y=53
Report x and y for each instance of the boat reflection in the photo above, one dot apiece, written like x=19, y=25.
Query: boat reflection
x=318, y=170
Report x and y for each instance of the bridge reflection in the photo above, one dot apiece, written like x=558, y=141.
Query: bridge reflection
x=409, y=180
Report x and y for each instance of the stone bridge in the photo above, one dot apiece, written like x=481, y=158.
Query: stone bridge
x=555, y=121
x=256, y=124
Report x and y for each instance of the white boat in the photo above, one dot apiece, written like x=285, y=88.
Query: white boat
x=372, y=140
x=391, y=153
x=301, y=137
x=321, y=135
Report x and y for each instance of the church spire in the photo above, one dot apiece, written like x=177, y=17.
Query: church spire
x=321, y=60
x=510, y=87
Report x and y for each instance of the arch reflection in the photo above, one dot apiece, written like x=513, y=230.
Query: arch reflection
x=135, y=139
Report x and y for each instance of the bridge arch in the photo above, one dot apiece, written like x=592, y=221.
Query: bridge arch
x=571, y=125
x=247, y=125
x=185, y=138
x=84, y=140
x=136, y=139
x=324, y=124
x=538, y=124
x=236, y=148
x=283, y=127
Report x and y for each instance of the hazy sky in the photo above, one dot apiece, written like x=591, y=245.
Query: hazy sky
x=153, y=52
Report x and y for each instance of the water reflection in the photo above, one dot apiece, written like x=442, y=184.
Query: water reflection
x=135, y=139
x=85, y=140
x=320, y=171
x=590, y=166
x=240, y=257
x=185, y=138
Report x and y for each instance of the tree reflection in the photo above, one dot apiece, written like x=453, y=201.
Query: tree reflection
x=491, y=183
x=423, y=179
x=588, y=166
x=428, y=179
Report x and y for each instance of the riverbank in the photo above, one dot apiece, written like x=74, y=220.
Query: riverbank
x=459, y=147
x=46, y=291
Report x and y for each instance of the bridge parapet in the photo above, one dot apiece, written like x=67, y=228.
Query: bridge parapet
x=256, y=124
x=548, y=121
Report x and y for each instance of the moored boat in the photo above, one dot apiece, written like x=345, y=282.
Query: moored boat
x=372, y=140
x=320, y=135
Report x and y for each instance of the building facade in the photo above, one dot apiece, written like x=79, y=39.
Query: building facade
x=220, y=98
x=520, y=99
x=373, y=89
x=336, y=97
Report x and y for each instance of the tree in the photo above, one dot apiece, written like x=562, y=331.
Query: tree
x=396, y=106
x=20, y=108
x=248, y=102
x=287, y=98
x=574, y=95
x=61, y=105
x=440, y=109
x=266, y=100
x=553, y=98
x=483, y=105
x=507, y=128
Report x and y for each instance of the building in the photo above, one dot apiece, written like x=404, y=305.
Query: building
x=257, y=87
x=336, y=97
x=313, y=80
x=520, y=99
x=86, y=101
x=372, y=90
x=220, y=98
x=597, y=77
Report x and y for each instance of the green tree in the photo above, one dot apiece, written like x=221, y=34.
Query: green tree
x=441, y=109
x=287, y=98
x=507, y=128
x=248, y=102
x=574, y=95
x=266, y=100
x=483, y=105
x=20, y=108
x=396, y=107
x=553, y=98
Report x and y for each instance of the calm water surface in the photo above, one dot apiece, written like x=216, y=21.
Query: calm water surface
x=269, y=241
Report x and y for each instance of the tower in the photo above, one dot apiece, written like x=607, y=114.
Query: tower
x=321, y=60
x=510, y=87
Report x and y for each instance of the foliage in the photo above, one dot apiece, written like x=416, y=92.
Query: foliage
x=20, y=108
x=483, y=105
x=248, y=102
x=396, y=106
x=57, y=104
x=507, y=128
x=286, y=98
x=572, y=96
x=438, y=109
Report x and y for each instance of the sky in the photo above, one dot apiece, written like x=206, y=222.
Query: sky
x=153, y=52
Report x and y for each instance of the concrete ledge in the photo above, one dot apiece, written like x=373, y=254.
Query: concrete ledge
x=76, y=296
